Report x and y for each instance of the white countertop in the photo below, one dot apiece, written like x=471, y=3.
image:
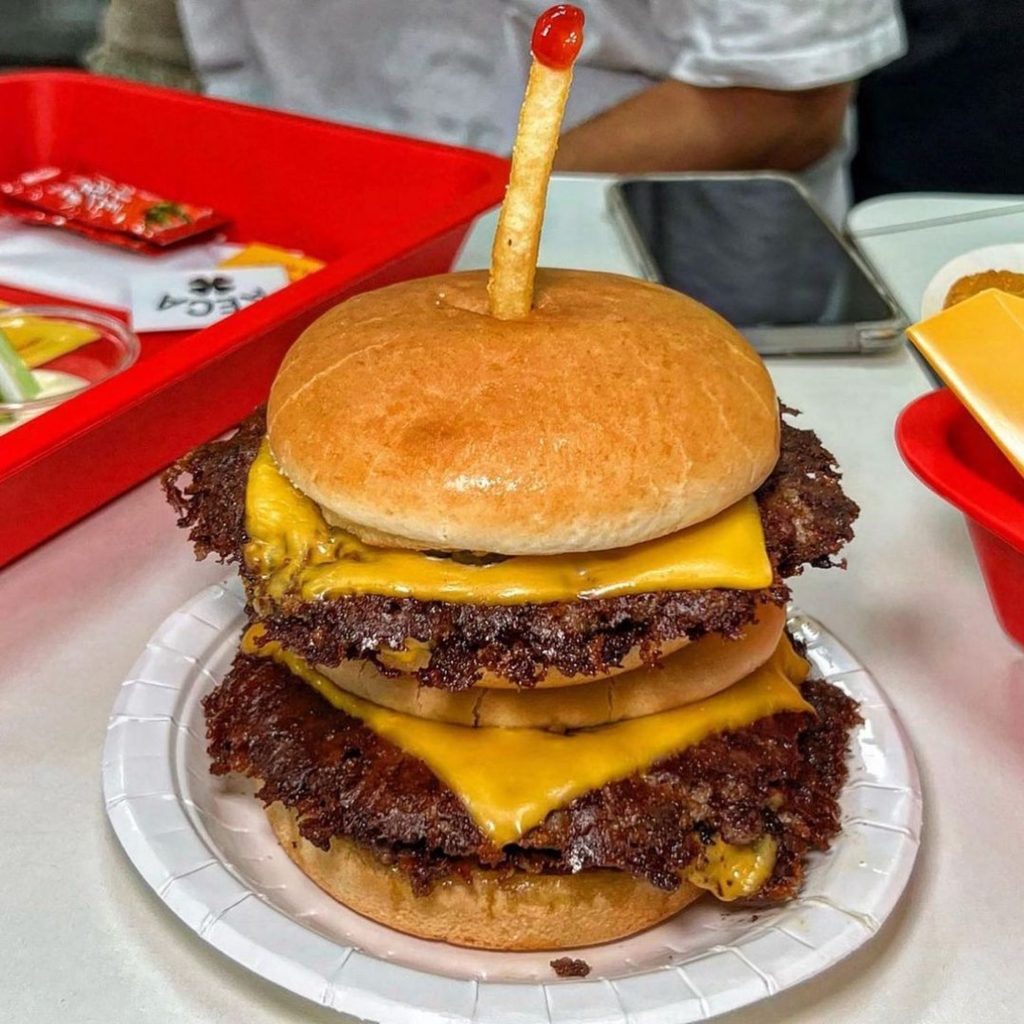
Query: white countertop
x=82, y=939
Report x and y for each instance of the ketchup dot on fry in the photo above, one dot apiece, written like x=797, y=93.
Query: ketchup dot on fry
x=558, y=36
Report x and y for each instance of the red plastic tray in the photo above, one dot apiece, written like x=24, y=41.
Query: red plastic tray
x=950, y=452
x=378, y=208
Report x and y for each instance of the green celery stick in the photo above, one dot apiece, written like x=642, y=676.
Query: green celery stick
x=17, y=384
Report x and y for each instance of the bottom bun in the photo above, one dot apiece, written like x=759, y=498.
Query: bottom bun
x=491, y=909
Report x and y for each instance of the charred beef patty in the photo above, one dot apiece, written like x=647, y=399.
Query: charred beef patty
x=806, y=518
x=780, y=776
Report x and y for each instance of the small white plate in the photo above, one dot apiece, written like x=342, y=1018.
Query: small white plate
x=205, y=847
x=991, y=257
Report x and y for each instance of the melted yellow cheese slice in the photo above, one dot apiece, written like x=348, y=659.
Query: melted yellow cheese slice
x=735, y=872
x=510, y=779
x=297, y=551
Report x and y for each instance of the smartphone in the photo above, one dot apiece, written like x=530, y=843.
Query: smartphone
x=756, y=249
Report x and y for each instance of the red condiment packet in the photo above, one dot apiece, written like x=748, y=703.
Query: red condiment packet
x=30, y=215
x=107, y=210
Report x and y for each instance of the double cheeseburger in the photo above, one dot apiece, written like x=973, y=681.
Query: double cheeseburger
x=517, y=674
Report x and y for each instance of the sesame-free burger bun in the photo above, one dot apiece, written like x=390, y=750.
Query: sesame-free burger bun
x=696, y=672
x=486, y=909
x=618, y=411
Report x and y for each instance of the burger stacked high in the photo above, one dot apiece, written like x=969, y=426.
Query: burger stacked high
x=517, y=674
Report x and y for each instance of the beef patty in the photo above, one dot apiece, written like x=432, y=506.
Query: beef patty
x=805, y=514
x=780, y=776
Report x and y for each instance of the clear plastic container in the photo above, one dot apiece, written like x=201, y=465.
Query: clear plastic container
x=111, y=350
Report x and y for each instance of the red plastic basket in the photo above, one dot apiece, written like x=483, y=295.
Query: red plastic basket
x=378, y=208
x=946, y=447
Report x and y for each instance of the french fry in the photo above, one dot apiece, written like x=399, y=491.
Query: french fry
x=556, y=41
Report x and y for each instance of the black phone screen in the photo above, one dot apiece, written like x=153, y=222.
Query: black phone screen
x=753, y=249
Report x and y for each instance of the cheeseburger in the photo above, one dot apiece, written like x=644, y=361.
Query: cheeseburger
x=516, y=674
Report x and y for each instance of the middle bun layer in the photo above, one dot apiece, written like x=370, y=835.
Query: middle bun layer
x=697, y=671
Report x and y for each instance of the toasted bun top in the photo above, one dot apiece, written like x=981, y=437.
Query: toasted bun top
x=617, y=412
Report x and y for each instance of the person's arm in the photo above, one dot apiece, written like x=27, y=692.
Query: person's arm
x=674, y=126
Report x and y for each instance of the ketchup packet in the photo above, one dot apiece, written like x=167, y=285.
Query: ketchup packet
x=30, y=215
x=109, y=211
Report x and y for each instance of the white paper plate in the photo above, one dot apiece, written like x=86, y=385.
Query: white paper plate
x=991, y=257
x=204, y=846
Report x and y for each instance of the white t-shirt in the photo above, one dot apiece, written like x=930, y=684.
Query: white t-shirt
x=454, y=70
